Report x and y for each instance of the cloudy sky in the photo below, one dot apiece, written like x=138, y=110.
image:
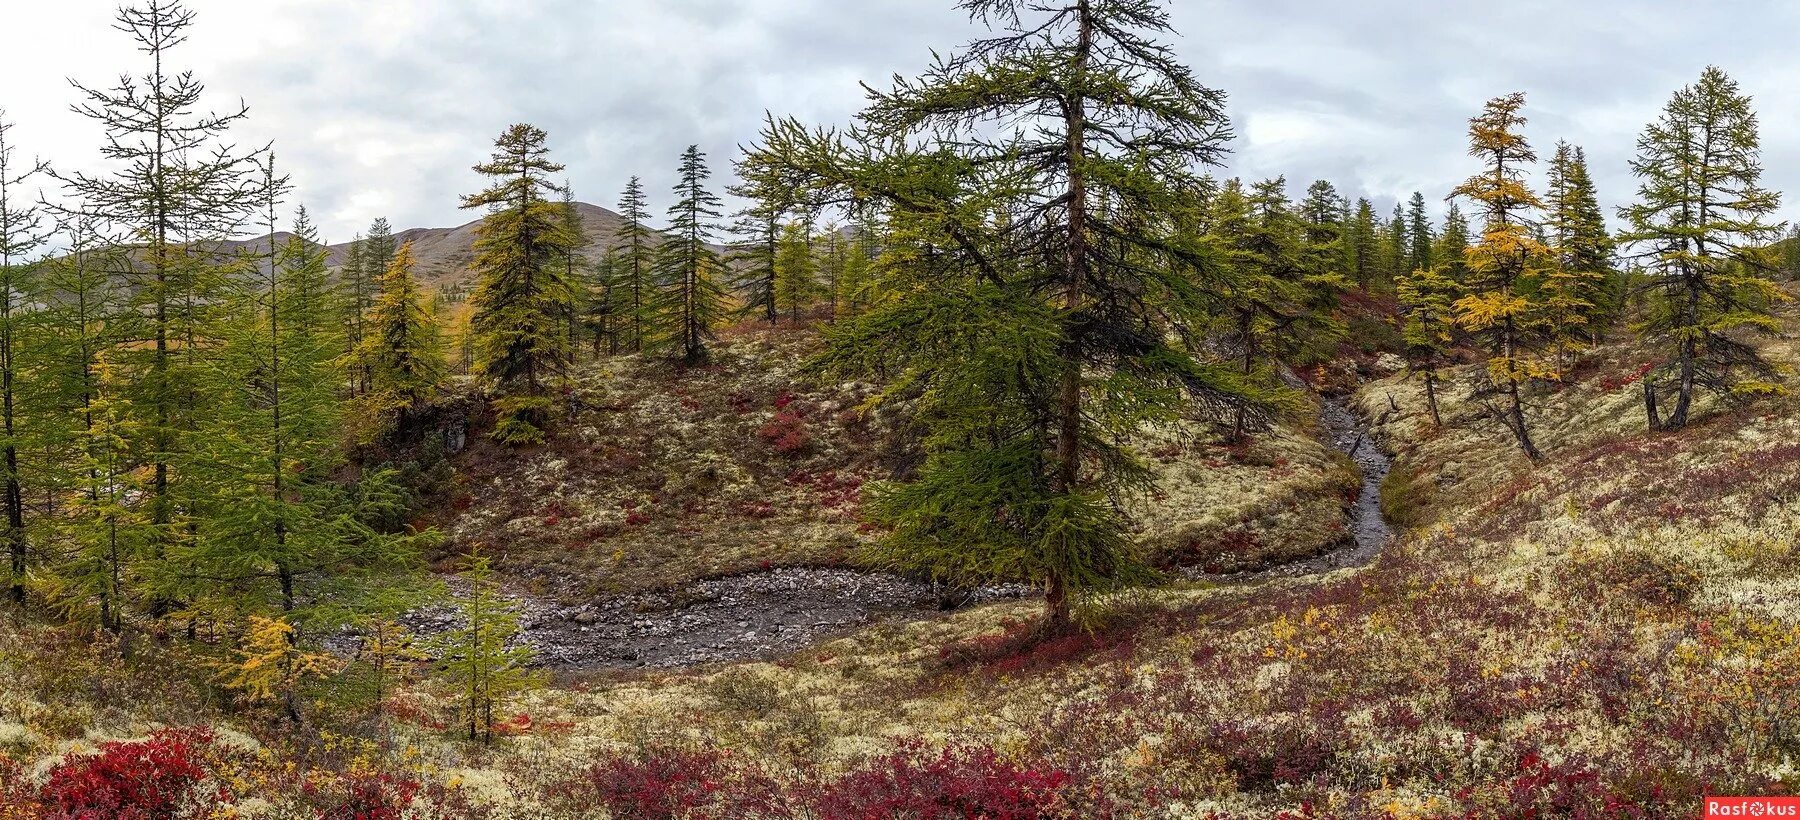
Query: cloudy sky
x=379, y=107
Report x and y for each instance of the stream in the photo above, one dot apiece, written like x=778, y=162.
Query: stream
x=1369, y=531
x=770, y=613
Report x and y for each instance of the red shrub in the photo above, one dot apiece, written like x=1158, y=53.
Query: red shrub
x=16, y=799
x=666, y=784
x=152, y=779
x=1021, y=647
x=1614, y=382
x=955, y=784
x=786, y=432
x=1572, y=788
x=362, y=796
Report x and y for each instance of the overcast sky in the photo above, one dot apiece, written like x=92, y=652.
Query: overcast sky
x=379, y=107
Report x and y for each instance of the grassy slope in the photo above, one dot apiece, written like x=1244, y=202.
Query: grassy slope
x=750, y=463
x=659, y=482
x=1611, y=628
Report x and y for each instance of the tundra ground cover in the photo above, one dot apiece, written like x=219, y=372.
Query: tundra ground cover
x=1610, y=634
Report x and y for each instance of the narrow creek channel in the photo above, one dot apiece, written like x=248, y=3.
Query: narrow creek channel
x=1368, y=531
x=774, y=612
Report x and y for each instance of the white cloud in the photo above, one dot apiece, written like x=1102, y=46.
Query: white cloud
x=379, y=107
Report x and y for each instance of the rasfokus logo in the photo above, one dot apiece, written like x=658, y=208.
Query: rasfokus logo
x=1752, y=807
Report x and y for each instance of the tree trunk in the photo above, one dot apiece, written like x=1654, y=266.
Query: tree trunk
x=1650, y=406
x=1518, y=424
x=1431, y=398
x=1068, y=406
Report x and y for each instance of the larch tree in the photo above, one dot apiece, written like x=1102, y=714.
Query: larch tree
x=796, y=271
x=1396, y=250
x=690, y=299
x=521, y=297
x=832, y=258
x=1363, y=245
x=1701, y=225
x=1265, y=296
x=635, y=249
x=1324, y=275
x=1418, y=235
x=575, y=266
x=1427, y=297
x=1451, y=250
x=1577, y=296
x=759, y=225
x=175, y=184
x=1506, y=267
x=379, y=247
x=358, y=287
x=86, y=424
x=22, y=232
x=603, y=312
x=1036, y=292
x=479, y=656
x=403, y=350
x=855, y=280
x=288, y=538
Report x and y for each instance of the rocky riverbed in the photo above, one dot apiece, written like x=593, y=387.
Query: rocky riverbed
x=756, y=615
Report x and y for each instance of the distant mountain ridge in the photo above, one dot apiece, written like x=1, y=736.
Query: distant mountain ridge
x=445, y=254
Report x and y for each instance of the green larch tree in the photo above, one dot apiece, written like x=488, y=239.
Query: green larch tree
x=1452, y=246
x=23, y=232
x=1418, y=235
x=1035, y=291
x=796, y=271
x=175, y=183
x=358, y=287
x=1266, y=295
x=1363, y=245
x=1427, y=298
x=1577, y=295
x=634, y=248
x=576, y=269
x=521, y=297
x=480, y=657
x=403, y=350
x=1701, y=226
x=1396, y=250
x=81, y=427
x=690, y=299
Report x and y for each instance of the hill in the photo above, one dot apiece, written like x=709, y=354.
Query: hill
x=444, y=254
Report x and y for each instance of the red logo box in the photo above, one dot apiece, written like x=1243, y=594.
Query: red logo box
x=1751, y=807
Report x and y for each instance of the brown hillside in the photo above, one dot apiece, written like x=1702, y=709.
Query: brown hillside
x=444, y=254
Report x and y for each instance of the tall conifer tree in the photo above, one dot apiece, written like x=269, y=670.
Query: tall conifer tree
x=1702, y=222
x=522, y=299
x=1418, y=235
x=1506, y=267
x=1576, y=300
x=796, y=271
x=1036, y=287
x=690, y=299
x=22, y=233
x=175, y=184
x=403, y=351
x=634, y=247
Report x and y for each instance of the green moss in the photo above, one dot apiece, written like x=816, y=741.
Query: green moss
x=1405, y=498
